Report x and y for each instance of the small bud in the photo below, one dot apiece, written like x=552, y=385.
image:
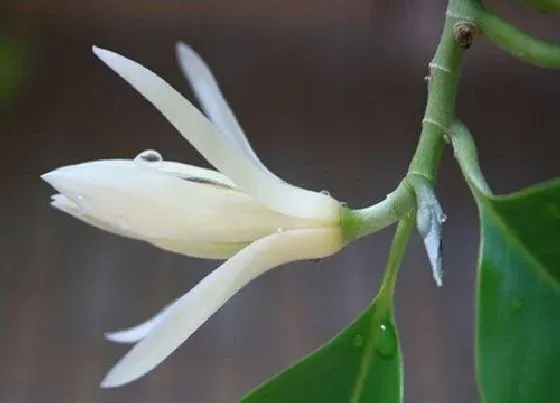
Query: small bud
x=429, y=220
x=465, y=33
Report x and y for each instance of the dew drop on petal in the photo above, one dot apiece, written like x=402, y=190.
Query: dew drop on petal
x=326, y=192
x=148, y=156
x=387, y=344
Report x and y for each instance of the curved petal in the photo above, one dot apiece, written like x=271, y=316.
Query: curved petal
x=190, y=216
x=212, y=101
x=189, y=121
x=190, y=311
x=136, y=333
x=133, y=334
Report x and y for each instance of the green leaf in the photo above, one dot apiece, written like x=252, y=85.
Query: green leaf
x=518, y=318
x=361, y=364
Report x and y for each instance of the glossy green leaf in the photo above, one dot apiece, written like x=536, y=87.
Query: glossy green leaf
x=360, y=365
x=518, y=318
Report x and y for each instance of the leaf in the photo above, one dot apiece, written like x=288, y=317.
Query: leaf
x=518, y=315
x=362, y=364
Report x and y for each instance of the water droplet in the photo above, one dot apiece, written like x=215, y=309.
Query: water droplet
x=148, y=156
x=517, y=305
x=279, y=229
x=326, y=192
x=387, y=344
x=358, y=341
x=442, y=217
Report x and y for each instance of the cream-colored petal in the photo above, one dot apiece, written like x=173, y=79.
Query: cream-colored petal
x=190, y=311
x=201, y=250
x=183, y=171
x=133, y=334
x=205, y=137
x=62, y=203
x=212, y=101
x=189, y=247
x=148, y=204
x=136, y=333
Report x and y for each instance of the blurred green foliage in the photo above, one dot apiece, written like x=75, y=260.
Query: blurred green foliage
x=545, y=6
x=15, y=62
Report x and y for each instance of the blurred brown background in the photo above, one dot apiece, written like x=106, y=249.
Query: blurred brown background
x=331, y=94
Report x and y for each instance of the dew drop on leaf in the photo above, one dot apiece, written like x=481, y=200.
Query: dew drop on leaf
x=387, y=341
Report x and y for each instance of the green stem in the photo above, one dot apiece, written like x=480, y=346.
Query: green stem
x=442, y=90
x=396, y=253
x=519, y=43
x=438, y=117
x=359, y=223
x=465, y=153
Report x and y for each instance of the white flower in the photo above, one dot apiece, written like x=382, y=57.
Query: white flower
x=245, y=213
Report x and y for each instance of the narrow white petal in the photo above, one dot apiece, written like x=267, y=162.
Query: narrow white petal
x=206, y=138
x=138, y=332
x=212, y=101
x=190, y=311
x=132, y=334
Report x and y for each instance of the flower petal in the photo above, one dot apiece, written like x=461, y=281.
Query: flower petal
x=194, y=308
x=197, y=216
x=212, y=101
x=154, y=160
x=269, y=190
x=136, y=333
